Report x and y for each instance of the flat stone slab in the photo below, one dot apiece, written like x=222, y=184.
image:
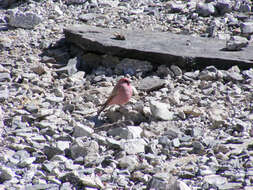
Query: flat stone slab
x=159, y=47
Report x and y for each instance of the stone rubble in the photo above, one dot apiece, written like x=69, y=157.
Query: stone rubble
x=181, y=130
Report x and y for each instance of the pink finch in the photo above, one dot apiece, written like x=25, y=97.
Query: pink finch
x=120, y=94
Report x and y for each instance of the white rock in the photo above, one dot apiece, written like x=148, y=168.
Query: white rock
x=215, y=180
x=133, y=146
x=129, y=162
x=160, y=111
x=247, y=27
x=62, y=145
x=82, y=130
x=26, y=20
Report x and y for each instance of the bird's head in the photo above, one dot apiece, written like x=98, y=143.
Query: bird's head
x=124, y=80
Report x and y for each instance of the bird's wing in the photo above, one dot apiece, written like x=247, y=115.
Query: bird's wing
x=113, y=94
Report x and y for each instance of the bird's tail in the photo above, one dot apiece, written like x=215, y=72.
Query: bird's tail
x=101, y=109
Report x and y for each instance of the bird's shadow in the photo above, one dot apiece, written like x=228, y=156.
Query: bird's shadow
x=98, y=121
x=103, y=123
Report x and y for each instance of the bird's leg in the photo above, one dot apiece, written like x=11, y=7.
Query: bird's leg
x=121, y=110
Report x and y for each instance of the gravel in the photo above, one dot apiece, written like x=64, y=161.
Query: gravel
x=181, y=129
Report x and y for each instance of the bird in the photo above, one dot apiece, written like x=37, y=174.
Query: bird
x=120, y=95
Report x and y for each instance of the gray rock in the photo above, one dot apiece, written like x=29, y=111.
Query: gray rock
x=91, y=159
x=59, y=93
x=139, y=176
x=90, y=61
x=6, y=174
x=26, y=20
x=73, y=65
x=71, y=177
x=38, y=138
x=87, y=181
x=66, y=186
x=26, y=162
x=82, y=148
x=2, y=67
x=164, y=181
x=71, y=68
x=110, y=61
x=7, y=3
x=224, y=6
x=221, y=148
x=176, y=7
x=133, y=115
x=63, y=145
x=157, y=183
x=164, y=140
x=232, y=21
x=215, y=112
x=209, y=73
x=133, y=67
x=215, y=180
x=133, y=146
x=82, y=130
x=154, y=47
x=163, y=71
x=176, y=143
x=231, y=185
x=122, y=181
x=191, y=75
x=4, y=77
x=4, y=93
x=248, y=73
x=176, y=70
x=152, y=147
x=87, y=17
x=32, y=108
x=54, y=99
x=47, y=59
x=69, y=165
x=41, y=186
x=1, y=121
x=218, y=115
x=69, y=2
x=172, y=132
x=206, y=171
x=151, y=84
x=160, y=111
x=235, y=76
x=197, y=131
x=51, y=151
x=40, y=70
x=236, y=43
x=186, y=175
x=94, y=182
x=198, y=147
x=49, y=166
x=247, y=27
x=182, y=186
x=113, y=143
x=128, y=132
x=69, y=107
x=245, y=7
x=21, y=155
x=205, y=9
x=129, y=162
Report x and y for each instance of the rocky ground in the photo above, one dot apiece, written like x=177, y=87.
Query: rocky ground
x=181, y=129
